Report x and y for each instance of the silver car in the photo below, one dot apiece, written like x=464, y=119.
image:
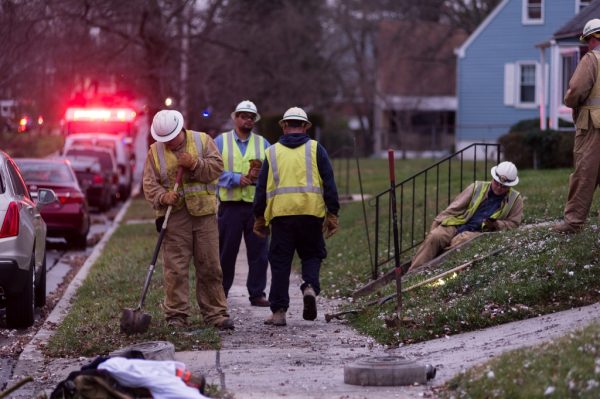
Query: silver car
x=22, y=246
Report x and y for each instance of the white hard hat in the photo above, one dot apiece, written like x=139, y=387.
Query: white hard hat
x=506, y=174
x=295, y=113
x=592, y=26
x=166, y=125
x=246, y=106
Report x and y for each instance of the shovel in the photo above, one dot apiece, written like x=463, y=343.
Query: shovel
x=136, y=321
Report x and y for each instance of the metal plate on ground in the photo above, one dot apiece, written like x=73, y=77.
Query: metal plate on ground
x=152, y=350
x=387, y=371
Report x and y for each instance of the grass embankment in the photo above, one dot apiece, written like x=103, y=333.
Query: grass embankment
x=568, y=367
x=115, y=282
x=538, y=272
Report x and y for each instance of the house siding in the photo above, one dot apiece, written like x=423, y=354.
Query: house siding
x=482, y=114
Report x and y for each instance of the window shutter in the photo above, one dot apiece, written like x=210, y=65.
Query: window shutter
x=509, y=84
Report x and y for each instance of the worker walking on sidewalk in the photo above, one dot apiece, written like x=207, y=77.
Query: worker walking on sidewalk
x=192, y=226
x=296, y=201
x=481, y=207
x=243, y=152
x=583, y=96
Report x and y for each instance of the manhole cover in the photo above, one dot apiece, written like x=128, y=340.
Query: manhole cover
x=387, y=371
x=152, y=350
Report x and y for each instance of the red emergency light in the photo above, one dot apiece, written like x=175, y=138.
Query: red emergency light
x=100, y=114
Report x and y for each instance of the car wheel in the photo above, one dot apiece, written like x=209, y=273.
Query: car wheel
x=78, y=241
x=125, y=192
x=20, y=307
x=40, y=287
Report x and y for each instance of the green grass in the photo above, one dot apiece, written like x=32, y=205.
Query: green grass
x=30, y=144
x=566, y=368
x=115, y=281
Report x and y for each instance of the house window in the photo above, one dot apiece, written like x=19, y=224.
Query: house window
x=527, y=84
x=569, y=63
x=533, y=12
x=521, y=83
x=581, y=4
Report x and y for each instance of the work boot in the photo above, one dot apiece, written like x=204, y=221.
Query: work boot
x=226, y=324
x=565, y=228
x=177, y=322
x=260, y=301
x=310, y=303
x=277, y=318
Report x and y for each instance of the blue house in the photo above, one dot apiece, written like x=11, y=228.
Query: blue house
x=501, y=76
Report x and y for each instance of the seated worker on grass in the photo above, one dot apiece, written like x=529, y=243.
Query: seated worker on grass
x=481, y=207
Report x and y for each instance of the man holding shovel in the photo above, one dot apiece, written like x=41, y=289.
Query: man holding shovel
x=481, y=207
x=192, y=226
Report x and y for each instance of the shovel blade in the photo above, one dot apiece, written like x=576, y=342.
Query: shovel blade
x=134, y=321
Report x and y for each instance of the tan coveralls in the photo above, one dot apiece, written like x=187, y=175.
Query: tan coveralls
x=444, y=237
x=190, y=237
x=586, y=151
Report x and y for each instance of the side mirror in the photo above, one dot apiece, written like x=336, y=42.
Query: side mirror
x=46, y=197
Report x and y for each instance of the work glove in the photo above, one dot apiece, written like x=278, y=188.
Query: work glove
x=255, y=165
x=187, y=161
x=169, y=198
x=260, y=227
x=330, y=225
x=490, y=225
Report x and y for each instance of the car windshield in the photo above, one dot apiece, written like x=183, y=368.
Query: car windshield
x=103, y=157
x=45, y=172
x=110, y=144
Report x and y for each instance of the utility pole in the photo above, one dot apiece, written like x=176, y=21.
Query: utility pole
x=183, y=66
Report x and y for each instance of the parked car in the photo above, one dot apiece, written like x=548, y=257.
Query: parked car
x=22, y=246
x=120, y=145
x=96, y=171
x=69, y=217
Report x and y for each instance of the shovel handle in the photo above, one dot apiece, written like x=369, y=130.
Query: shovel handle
x=161, y=236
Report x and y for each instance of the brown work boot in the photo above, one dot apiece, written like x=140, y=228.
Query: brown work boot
x=260, y=301
x=277, y=318
x=225, y=324
x=177, y=322
x=310, y=303
x=565, y=228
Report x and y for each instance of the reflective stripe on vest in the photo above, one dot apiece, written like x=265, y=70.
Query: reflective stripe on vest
x=479, y=191
x=166, y=163
x=294, y=185
x=234, y=161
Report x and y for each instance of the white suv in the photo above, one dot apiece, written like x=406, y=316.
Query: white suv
x=121, y=147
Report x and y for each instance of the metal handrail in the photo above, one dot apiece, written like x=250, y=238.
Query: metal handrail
x=408, y=192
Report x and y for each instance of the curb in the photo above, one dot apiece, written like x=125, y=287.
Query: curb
x=31, y=357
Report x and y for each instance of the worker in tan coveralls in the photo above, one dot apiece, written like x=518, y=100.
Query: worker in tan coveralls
x=583, y=96
x=192, y=226
x=481, y=207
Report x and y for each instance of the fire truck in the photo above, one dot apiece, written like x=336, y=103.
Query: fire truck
x=105, y=127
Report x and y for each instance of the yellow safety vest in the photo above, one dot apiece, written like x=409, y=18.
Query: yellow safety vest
x=591, y=106
x=199, y=198
x=234, y=161
x=479, y=190
x=294, y=185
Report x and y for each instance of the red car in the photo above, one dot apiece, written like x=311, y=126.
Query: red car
x=69, y=217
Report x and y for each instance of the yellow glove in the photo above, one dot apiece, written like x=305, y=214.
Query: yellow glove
x=187, y=161
x=260, y=228
x=169, y=198
x=330, y=225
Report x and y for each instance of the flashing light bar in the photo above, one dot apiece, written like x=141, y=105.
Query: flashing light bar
x=100, y=114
